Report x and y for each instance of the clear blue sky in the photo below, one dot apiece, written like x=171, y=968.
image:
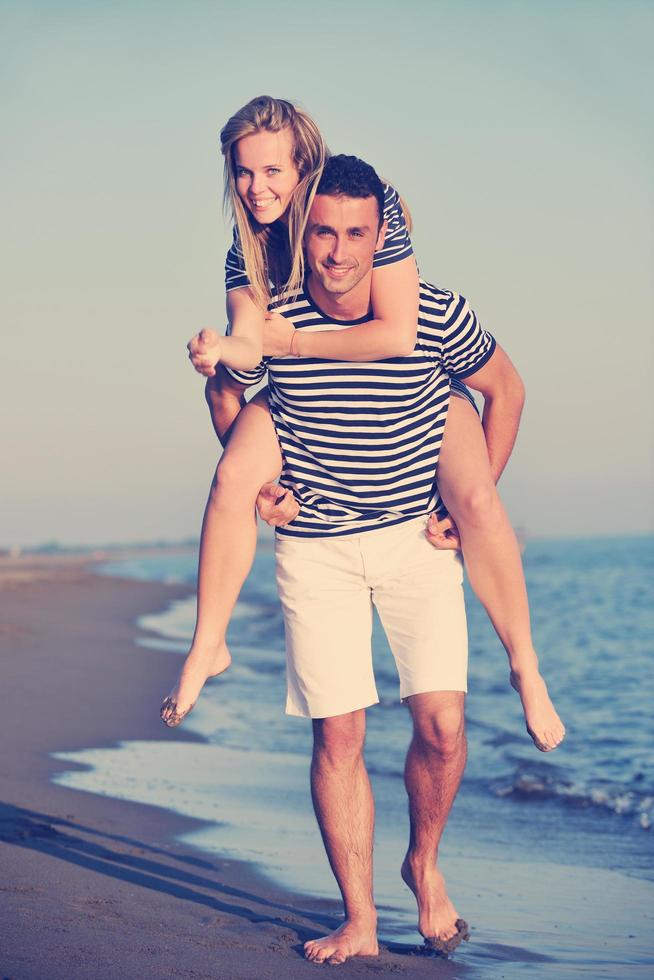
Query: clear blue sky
x=519, y=133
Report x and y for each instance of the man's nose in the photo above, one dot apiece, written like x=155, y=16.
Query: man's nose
x=337, y=254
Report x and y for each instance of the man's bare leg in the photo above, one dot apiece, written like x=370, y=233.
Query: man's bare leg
x=493, y=563
x=227, y=547
x=432, y=774
x=344, y=807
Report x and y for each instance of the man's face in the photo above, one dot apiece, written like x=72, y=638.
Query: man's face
x=340, y=240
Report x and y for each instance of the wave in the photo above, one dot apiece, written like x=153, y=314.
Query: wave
x=529, y=786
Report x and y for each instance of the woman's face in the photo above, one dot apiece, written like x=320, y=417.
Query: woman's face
x=266, y=175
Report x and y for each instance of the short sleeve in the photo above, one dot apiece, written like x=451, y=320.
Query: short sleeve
x=235, y=274
x=458, y=388
x=397, y=243
x=249, y=377
x=466, y=346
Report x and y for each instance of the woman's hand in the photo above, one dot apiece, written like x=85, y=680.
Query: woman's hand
x=444, y=534
x=277, y=335
x=204, y=351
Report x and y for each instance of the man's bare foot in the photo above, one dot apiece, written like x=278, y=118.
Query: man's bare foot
x=199, y=665
x=438, y=920
x=354, y=938
x=543, y=723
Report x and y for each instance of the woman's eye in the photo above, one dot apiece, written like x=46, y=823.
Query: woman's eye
x=274, y=170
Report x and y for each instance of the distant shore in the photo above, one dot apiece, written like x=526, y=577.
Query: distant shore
x=97, y=887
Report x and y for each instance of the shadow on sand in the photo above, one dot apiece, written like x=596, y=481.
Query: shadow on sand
x=182, y=876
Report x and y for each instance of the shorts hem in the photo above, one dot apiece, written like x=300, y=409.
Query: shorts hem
x=433, y=689
x=321, y=712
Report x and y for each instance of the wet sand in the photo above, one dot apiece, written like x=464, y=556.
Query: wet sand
x=94, y=887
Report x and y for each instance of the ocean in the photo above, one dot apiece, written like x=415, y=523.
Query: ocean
x=524, y=824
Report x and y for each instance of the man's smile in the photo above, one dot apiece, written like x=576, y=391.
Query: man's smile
x=337, y=271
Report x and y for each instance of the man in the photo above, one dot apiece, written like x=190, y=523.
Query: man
x=360, y=445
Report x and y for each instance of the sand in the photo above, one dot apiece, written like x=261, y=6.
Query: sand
x=94, y=887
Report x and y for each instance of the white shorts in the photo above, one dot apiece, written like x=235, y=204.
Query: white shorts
x=328, y=587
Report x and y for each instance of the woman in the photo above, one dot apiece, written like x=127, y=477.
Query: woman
x=273, y=159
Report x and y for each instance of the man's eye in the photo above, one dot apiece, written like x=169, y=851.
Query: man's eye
x=356, y=234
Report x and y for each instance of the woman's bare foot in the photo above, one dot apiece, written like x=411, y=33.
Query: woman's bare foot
x=438, y=920
x=199, y=665
x=356, y=937
x=543, y=723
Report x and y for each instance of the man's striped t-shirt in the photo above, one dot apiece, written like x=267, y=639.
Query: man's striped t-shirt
x=360, y=441
x=397, y=243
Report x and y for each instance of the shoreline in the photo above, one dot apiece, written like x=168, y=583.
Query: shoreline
x=114, y=892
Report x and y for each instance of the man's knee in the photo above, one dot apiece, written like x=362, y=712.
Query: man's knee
x=441, y=728
x=340, y=740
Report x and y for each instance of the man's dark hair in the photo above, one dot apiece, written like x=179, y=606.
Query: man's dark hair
x=353, y=178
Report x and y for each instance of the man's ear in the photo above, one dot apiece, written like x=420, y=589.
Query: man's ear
x=381, y=236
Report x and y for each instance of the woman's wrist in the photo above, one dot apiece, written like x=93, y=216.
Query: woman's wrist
x=295, y=341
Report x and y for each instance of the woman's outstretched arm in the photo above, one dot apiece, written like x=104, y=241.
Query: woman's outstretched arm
x=242, y=348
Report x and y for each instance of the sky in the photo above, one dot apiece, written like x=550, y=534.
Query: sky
x=518, y=132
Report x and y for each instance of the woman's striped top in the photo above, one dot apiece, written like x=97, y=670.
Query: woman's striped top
x=360, y=441
x=397, y=243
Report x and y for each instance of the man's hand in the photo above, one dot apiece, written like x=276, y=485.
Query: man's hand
x=444, y=534
x=204, y=351
x=277, y=506
x=277, y=335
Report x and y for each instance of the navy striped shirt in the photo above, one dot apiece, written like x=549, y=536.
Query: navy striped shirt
x=397, y=243
x=360, y=441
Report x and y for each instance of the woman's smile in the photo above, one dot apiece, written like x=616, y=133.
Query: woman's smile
x=266, y=174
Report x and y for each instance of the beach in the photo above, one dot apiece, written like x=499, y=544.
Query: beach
x=99, y=886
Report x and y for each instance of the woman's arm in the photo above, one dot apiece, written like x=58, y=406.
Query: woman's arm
x=391, y=334
x=395, y=297
x=241, y=349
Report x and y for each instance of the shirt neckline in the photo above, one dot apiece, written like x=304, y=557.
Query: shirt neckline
x=347, y=323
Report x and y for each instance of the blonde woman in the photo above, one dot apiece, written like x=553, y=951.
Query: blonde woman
x=274, y=155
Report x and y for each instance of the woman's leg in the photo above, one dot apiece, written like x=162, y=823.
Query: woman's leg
x=493, y=562
x=227, y=547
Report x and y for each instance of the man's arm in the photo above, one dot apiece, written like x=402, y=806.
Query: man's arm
x=225, y=398
x=504, y=397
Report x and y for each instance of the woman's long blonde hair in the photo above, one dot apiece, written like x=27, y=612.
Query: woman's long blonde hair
x=266, y=256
